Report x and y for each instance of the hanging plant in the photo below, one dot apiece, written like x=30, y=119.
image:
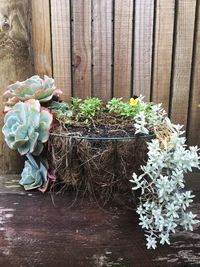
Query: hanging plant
x=163, y=204
x=90, y=145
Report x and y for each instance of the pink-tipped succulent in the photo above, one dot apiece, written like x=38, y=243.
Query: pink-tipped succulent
x=32, y=88
x=26, y=127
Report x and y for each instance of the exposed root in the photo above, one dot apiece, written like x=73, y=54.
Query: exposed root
x=98, y=168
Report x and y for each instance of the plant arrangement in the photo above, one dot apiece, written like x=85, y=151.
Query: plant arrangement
x=92, y=145
x=97, y=146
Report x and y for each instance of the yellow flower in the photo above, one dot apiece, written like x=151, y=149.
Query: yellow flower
x=133, y=102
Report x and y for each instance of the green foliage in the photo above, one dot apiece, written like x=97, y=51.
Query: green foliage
x=75, y=104
x=32, y=88
x=61, y=110
x=34, y=174
x=89, y=108
x=115, y=105
x=26, y=127
x=62, y=106
x=83, y=111
x=119, y=108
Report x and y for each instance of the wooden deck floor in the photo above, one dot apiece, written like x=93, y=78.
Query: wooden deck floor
x=34, y=231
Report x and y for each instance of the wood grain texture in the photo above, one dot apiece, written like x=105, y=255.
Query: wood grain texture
x=41, y=39
x=82, y=48
x=123, y=48
x=60, y=20
x=163, y=52
x=15, y=63
x=182, y=61
x=194, y=112
x=102, y=48
x=144, y=11
x=36, y=231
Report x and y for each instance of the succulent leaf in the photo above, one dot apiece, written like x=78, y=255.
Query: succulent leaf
x=26, y=127
x=34, y=174
x=32, y=88
x=38, y=148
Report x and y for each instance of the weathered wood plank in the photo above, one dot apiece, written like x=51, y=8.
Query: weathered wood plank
x=15, y=63
x=163, y=52
x=60, y=20
x=81, y=48
x=123, y=48
x=144, y=11
x=182, y=61
x=194, y=112
x=41, y=39
x=9, y=184
x=38, y=232
x=102, y=48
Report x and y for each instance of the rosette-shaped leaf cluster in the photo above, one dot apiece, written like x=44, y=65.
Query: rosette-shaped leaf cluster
x=32, y=88
x=26, y=127
x=34, y=175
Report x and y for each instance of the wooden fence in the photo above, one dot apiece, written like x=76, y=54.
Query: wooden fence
x=106, y=48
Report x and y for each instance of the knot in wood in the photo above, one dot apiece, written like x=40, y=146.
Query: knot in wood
x=5, y=25
x=77, y=61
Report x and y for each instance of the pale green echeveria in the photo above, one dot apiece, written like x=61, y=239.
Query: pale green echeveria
x=32, y=88
x=26, y=127
x=34, y=174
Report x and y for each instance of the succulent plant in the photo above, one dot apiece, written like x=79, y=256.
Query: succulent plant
x=32, y=88
x=26, y=127
x=34, y=174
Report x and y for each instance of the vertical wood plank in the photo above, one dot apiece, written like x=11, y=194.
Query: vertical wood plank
x=41, y=39
x=163, y=52
x=61, y=48
x=182, y=61
x=15, y=64
x=144, y=11
x=82, y=48
x=102, y=48
x=123, y=48
x=194, y=113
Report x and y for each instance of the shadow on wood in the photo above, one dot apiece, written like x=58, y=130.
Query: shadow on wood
x=36, y=230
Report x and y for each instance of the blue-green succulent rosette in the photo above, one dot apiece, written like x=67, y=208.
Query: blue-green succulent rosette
x=34, y=174
x=26, y=127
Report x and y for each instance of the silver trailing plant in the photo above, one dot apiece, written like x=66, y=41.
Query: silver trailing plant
x=163, y=204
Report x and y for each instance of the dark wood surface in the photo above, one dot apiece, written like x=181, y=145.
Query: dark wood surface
x=43, y=230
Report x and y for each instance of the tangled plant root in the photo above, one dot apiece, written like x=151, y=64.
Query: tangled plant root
x=98, y=168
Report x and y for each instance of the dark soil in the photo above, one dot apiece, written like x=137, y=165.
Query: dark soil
x=102, y=131
x=105, y=126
